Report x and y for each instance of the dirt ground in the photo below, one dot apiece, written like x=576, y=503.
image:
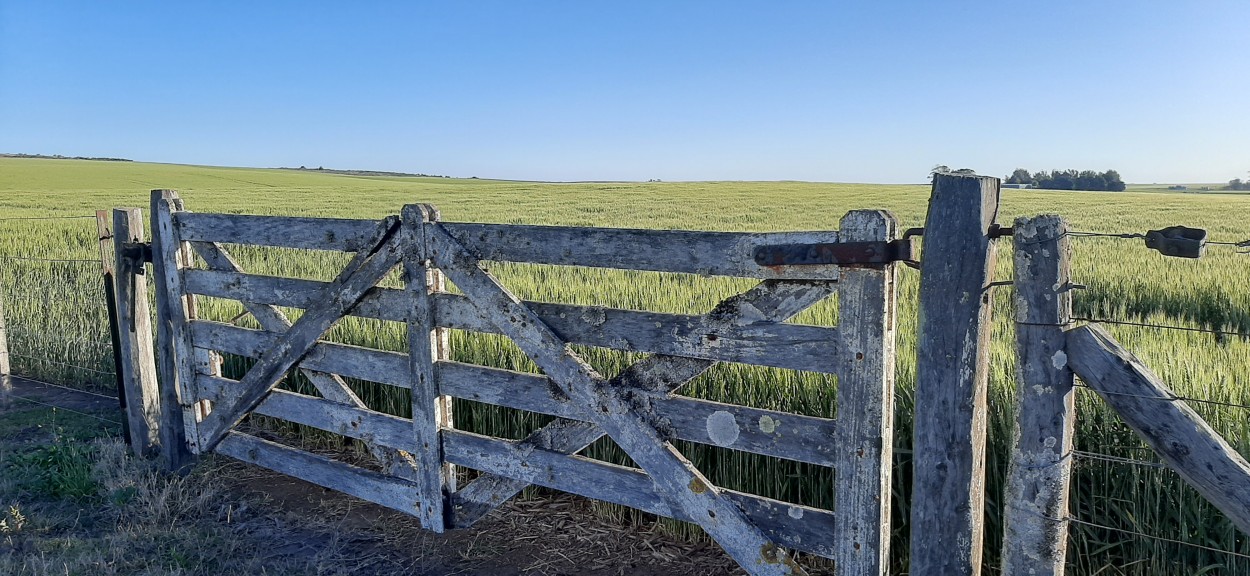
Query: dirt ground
x=273, y=524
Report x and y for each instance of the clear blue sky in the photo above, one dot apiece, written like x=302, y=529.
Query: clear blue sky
x=830, y=91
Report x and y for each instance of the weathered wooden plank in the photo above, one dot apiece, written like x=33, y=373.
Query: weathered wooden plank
x=703, y=253
x=175, y=371
x=1181, y=438
x=657, y=375
x=951, y=376
x=755, y=430
x=6, y=370
x=389, y=491
x=794, y=526
x=365, y=270
x=282, y=231
x=620, y=417
x=759, y=342
x=135, y=346
x=1036, y=501
x=104, y=232
x=431, y=410
x=329, y=385
x=867, y=301
x=356, y=422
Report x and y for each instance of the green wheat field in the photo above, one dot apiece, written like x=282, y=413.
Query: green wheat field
x=58, y=327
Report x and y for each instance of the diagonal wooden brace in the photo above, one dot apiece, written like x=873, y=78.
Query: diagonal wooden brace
x=771, y=300
x=675, y=477
x=362, y=273
x=331, y=386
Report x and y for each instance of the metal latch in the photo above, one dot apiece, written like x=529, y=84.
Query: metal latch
x=840, y=253
x=138, y=251
x=1179, y=241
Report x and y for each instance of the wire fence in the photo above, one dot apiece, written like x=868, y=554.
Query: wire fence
x=53, y=303
x=1098, y=455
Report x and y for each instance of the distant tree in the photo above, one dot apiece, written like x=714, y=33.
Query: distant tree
x=1237, y=184
x=1020, y=176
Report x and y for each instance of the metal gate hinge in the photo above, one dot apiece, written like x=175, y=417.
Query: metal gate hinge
x=840, y=253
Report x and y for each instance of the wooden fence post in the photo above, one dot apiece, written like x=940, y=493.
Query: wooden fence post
x=952, y=369
x=865, y=425
x=1036, y=502
x=175, y=369
x=134, y=345
x=6, y=385
x=104, y=231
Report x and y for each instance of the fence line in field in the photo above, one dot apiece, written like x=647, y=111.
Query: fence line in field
x=45, y=349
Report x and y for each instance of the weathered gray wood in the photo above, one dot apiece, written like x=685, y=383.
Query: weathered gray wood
x=704, y=253
x=175, y=370
x=1036, y=501
x=798, y=527
x=104, y=232
x=338, y=234
x=770, y=300
x=951, y=374
x=135, y=346
x=431, y=410
x=683, y=486
x=760, y=342
x=759, y=431
x=389, y=491
x=6, y=370
x=356, y=422
x=1181, y=438
x=366, y=269
x=867, y=301
x=795, y=526
x=331, y=386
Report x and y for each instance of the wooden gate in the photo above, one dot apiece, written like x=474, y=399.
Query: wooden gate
x=639, y=408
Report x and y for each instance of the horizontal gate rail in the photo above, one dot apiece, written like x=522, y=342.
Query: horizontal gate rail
x=703, y=253
x=795, y=526
x=761, y=343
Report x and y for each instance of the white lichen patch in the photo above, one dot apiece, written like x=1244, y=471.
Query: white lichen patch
x=768, y=424
x=795, y=512
x=722, y=429
x=1059, y=360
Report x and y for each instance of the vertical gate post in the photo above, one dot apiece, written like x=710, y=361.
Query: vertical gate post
x=175, y=367
x=952, y=370
x=865, y=434
x=135, y=350
x=1036, y=503
x=427, y=344
x=104, y=231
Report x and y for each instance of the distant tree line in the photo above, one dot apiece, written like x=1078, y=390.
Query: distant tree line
x=1069, y=180
x=1237, y=184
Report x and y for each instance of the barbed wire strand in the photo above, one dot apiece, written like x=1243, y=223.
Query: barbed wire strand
x=62, y=408
x=1118, y=459
x=1161, y=326
x=46, y=218
x=38, y=337
x=1076, y=520
x=75, y=366
x=1173, y=398
x=57, y=260
x=50, y=384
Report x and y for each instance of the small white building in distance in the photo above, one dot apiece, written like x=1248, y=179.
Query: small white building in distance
x=1019, y=186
